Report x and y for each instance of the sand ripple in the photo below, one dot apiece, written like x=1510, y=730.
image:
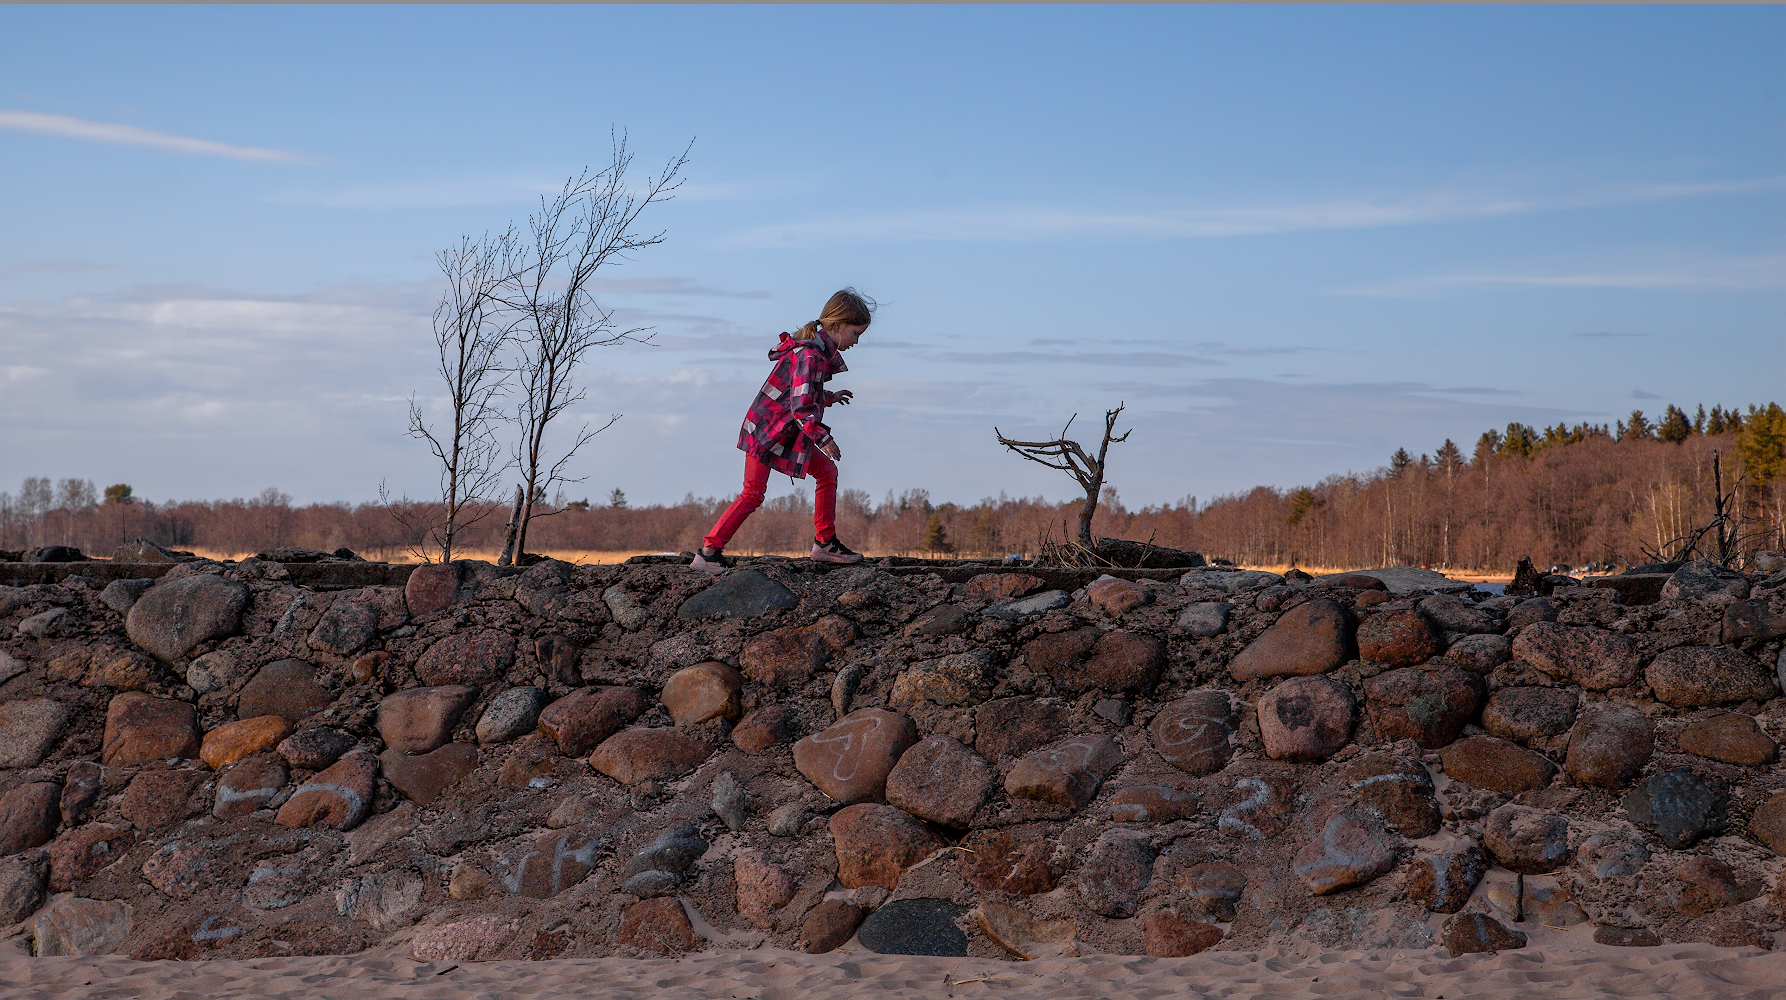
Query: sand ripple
x=1559, y=972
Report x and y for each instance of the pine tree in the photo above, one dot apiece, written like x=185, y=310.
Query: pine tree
x=1699, y=420
x=119, y=493
x=936, y=538
x=1675, y=427
x=1762, y=443
x=1400, y=461
x=1715, y=424
x=617, y=499
x=1637, y=428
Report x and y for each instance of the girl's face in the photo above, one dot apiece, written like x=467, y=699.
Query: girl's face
x=846, y=334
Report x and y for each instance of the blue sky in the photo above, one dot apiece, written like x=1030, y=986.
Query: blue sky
x=1290, y=239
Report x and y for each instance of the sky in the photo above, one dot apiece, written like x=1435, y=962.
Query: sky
x=1289, y=240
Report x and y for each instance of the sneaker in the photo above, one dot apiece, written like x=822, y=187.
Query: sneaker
x=715, y=563
x=835, y=552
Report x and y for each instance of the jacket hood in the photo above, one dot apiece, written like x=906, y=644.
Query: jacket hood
x=833, y=357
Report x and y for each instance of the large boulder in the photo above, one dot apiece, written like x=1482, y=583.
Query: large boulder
x=1696, y=676
x=177, y=616
x=1593, y=658
x=1704, y=580
x=1310, y=638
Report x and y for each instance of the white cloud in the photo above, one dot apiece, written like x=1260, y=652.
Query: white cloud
x=1040, y=223
x=130, y=135
x=1734, y=274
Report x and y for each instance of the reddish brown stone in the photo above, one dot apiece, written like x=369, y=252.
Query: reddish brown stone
x=876, y=844
x=233, y=741
x=1469, y=933
x=1010, y=859
x=1215, y=886
x=1593, y=658
x=1733, y=738
x=1370, y=599
x=1352, y=848
x=960, y=679
x=1444, y=882
x=1012, y=727
x=1497, y=764
x=701, y=692
x=84, y=851
x=1168, y=935
x=1119, y=661
x=1752, y=620
x=1192, y=732
x=1057, y=653
x=1609, y=744
x=658, y=925
x=1703, y=884
x=1115, y=596
x=339, y=796
x=477, y=939
x=1626, y=937
x=1429, y=706
x=248, y=786
x=585, y=717
x=770, y=726
x=28, y=816
x=124, y=669
x=80, y=790
x=139, y=728
x=1530, y=612
x=1527, y=840
x=850, y=760
x=762, y=888
x=157, y=799
x=1002, y=586
x=1396, y=789
x=789, y=657
x=315, y=749
x=420, y=719
x=285, y=688
x=1306, y=719
x=1067, y=773
x=1114, y=871
x=635, y=755
x=478, y=658
x=551, y=864
x=1525, y=714
x=1768, y=823
x=941, y=781
x=1355, y=581
x=1152, y=804
x=431, y=587
x=1398, y=638
x=422, y=778
x=1696, y=676
x=829, y=924
x=1310, y=638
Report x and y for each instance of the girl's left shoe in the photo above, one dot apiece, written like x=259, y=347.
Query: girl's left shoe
x=834, y=552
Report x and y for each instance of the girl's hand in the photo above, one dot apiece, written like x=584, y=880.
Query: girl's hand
x=832, y=451
x=843, y=397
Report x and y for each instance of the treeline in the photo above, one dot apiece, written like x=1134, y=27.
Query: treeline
x=1623, y=495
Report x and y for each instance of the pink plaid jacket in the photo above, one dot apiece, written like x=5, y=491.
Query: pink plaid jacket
x=785, y=423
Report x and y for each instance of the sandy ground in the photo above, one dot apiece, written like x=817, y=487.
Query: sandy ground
x=1566, y=967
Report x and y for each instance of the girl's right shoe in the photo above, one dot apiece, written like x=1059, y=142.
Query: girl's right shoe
x=715, y=563
x=834, y=552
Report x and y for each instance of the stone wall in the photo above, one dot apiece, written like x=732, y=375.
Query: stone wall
x=568, y=761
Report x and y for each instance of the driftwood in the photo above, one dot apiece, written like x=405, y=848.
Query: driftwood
x=1069, y=457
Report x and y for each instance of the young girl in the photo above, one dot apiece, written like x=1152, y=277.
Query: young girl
x=784, y=430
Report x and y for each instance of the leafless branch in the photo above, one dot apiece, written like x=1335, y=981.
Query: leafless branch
x=1067, y=456
x=589, y=224
x=471, y=327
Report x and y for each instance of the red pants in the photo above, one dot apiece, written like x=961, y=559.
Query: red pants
x=756, y=484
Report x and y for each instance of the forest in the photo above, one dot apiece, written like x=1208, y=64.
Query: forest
x=1617, y=495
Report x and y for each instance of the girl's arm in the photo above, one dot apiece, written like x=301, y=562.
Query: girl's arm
x=806, y=399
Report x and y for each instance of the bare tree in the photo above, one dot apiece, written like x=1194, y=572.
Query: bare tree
x=557, y=319
x=1069, y=457
x=470, y=331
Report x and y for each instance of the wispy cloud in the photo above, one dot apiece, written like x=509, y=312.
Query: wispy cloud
x=669, y=287
x=56, y=267
x=1642, y=394
x=1734, y=274
x=1609, y=335
x=130, y=135
x=1040, y=223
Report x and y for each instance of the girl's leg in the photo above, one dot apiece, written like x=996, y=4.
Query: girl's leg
x=756, y=484
x=824, y=497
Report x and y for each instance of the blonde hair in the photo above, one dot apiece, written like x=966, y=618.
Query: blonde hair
x=848, y=307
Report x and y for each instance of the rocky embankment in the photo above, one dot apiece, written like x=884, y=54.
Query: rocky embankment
x=573, y=761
